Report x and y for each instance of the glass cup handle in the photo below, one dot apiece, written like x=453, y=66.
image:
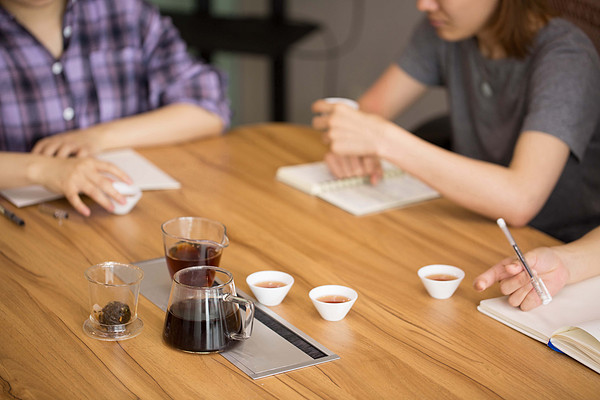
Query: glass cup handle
x=248, y=321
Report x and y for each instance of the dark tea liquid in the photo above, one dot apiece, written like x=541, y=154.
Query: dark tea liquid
x=442, y=277
x=189, y=327
x=183, y=255
x=333, y=298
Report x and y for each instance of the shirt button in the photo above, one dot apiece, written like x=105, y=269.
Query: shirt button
x=57, y=68
x=68, y=114
x=67, y=31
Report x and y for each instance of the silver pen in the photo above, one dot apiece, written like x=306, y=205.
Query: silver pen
x=536, y=281
x=55, y=212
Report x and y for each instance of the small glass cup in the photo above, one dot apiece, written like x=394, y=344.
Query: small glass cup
x=193, y=241
x=114, y=290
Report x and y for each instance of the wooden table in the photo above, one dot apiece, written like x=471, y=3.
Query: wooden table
x=396, y=342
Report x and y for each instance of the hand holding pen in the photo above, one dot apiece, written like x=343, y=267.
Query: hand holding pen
x=515, y=281
x=534, y=279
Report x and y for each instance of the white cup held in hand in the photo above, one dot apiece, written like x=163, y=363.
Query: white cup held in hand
x=342, y=100
x=132, y=195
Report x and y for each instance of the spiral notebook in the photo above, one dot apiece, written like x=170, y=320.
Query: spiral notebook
x=356, y=195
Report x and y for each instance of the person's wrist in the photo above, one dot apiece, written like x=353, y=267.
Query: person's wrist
x=385, y=135
x=35, y=168
x=563, y=256
x=105, y=137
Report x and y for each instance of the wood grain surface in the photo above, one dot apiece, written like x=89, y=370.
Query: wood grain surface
x=396, y=342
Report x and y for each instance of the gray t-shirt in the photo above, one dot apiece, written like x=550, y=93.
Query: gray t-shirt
x=555, y=89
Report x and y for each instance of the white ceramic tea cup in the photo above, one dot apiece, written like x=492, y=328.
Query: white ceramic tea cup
x=321, y=297
x=262, y=285
x=132, y=195
x=441, y=281
x=342, y=100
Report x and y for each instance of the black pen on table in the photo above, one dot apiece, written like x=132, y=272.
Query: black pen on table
x=12, y=216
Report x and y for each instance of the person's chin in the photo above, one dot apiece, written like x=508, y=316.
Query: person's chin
x=449, y=35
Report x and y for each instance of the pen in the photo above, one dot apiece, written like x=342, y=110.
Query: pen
x=10, y=215
x=535, y=280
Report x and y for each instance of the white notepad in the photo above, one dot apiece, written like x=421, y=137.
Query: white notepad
x=144, y=174
x=569, y=323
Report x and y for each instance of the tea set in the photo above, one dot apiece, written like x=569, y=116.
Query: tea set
x=204, y=312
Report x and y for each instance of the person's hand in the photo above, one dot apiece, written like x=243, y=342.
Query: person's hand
x=78, y=143
x=514, y=280
x=351, y=166
x=349, y=131
x=73, y=176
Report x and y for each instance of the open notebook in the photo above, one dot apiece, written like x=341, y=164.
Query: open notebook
x=356, y=195
x=145, y=175
x=570, y=323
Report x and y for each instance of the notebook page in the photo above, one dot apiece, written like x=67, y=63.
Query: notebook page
x=581, y=342
x=315, y=178
x=389, y=193
x=573, y=305
x=144, y=174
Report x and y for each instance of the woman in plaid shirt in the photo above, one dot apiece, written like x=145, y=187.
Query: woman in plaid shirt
x=82, y=76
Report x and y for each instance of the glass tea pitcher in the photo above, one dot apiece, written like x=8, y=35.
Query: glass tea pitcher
x=204, y=314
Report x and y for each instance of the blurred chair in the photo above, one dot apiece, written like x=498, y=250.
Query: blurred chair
x=272, y=36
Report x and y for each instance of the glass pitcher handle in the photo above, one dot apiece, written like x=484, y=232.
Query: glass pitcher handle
x=248, y=321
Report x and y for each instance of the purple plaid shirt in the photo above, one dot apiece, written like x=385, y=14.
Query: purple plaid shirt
x=120, y=58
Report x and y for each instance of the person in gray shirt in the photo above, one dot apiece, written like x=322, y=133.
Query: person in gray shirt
x=524, y=95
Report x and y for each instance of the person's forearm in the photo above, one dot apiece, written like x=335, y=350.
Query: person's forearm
x=170, y=124
x=581, y=257
x=18, y=169
x=391, y=94
x=486, y=188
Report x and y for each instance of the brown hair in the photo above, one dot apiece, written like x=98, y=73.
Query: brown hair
x=516, y=22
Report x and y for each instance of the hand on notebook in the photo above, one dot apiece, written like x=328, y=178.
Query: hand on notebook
x=73, y=176
x=514, y=280
x=351, y=166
